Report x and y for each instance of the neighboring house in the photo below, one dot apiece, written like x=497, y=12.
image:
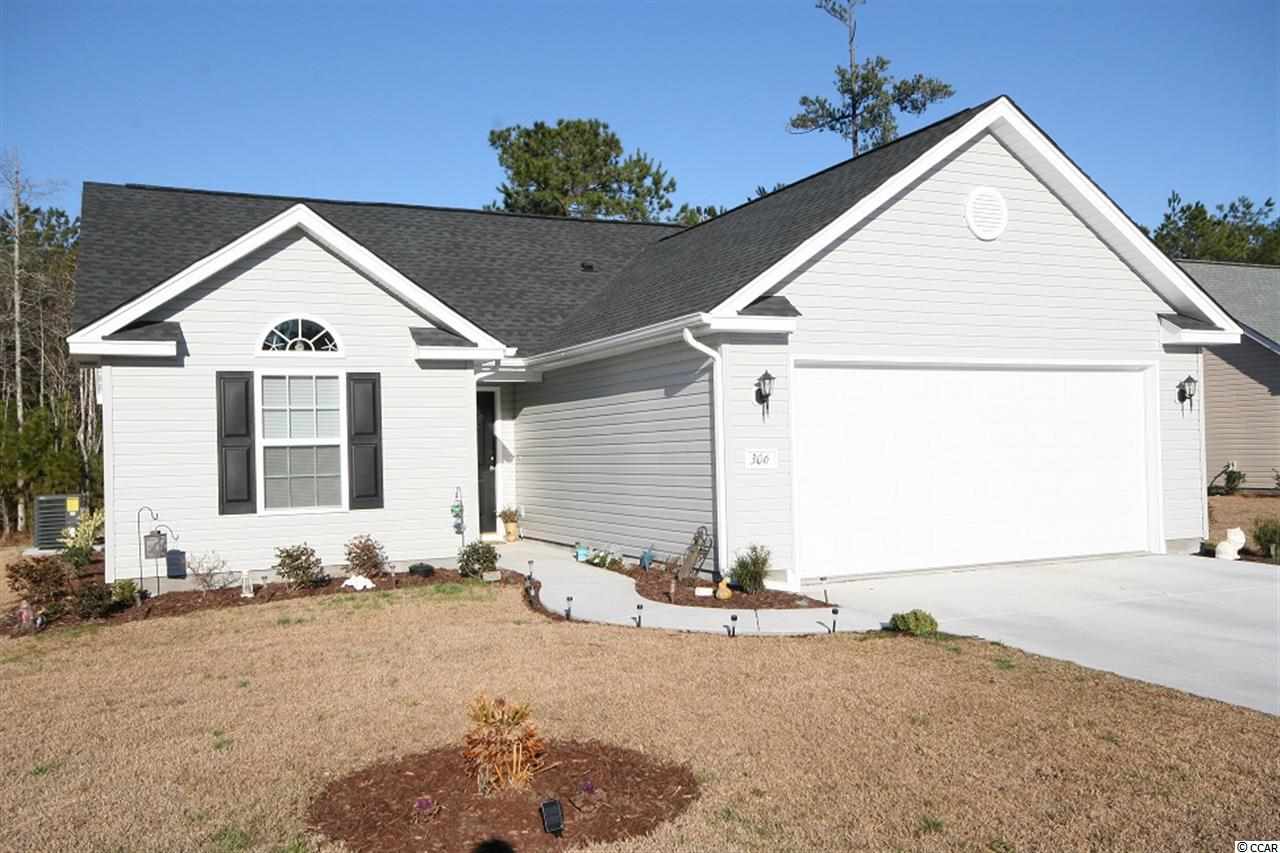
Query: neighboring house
x=975, y=357
x=1242, y=381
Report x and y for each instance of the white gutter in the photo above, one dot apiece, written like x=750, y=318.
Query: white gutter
x=717, y=396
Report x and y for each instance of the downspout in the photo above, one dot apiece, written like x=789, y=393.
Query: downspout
x=718, y=448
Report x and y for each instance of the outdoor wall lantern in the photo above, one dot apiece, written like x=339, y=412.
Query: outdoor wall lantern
x=764, y=390
x=1187, y=391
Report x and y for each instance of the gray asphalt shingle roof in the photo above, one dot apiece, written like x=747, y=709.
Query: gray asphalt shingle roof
x=520, y=278
x=1249, y=292
x=517, y=277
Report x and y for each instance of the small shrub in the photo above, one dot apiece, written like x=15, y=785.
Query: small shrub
x=124, y=592
x=422, y=570
x=1266, y=532
x=208, y=572
x=366, y=557
x=615, y=564
x=300, y=566
x=918, y=623
x=503, y=748
x=749, y=569
x=509, y=514
x=77, y=557
x=78, y=541
x=94, y=600
x=40, y=580
x=1232, y=480
x=476, y=559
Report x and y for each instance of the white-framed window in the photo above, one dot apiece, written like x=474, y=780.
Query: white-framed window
x=302, y=440
x=299, y=334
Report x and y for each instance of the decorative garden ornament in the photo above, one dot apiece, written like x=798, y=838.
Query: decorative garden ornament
x=1229, y=548
x=358, y=583
x=723, y=592
x=26, y=617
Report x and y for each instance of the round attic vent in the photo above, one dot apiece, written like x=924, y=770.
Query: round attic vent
x=986, y=213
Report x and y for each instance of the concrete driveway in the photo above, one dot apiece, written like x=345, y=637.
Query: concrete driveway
x=1209, y=627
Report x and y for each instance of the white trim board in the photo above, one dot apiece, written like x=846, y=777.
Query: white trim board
x=1014, y=130
x=90, y=339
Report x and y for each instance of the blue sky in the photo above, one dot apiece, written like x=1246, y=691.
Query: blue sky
x=393, y=102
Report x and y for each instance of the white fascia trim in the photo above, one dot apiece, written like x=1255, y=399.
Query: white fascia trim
x=153, y=349
x=458, y=353
x=769, y=325
x=811, y=247
x=1010, y=119
x=317, y=228
x=1173, y=335
x=655, y=333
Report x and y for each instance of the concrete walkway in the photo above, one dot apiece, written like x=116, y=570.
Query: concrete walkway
x=603, y=596
x=1204, y=626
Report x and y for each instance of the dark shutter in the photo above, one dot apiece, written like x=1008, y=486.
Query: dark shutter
x=364, y=439
x=235, y=444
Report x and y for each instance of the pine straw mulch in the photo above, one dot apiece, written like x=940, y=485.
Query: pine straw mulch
x=655, y=585
x=1240, y=510
x=607, y=793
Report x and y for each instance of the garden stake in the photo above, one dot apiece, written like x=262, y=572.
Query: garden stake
x=568, y=609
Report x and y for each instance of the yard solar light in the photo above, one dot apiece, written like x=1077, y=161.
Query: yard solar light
x=733, y=624
x=552, y=816
x=835, y=611
x=639, y=614
x=568, y=608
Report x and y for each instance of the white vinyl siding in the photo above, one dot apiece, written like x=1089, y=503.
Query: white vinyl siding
x=1186, y=511
x=914, y=282
x=759, y=499
x=163, y=416
x=618, y=451
x=1241, y=400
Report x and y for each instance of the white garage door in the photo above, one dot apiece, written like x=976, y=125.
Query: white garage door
x=913, y=468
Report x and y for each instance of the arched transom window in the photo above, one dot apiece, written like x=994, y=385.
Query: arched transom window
x=300, y=335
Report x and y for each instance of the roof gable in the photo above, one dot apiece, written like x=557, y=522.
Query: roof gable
x=697, y=269
x=515, y=278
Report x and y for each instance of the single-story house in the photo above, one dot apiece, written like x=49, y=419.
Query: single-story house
x=1242, y=381
x=953, y=350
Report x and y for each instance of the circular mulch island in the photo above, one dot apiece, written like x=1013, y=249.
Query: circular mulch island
x=430, y=801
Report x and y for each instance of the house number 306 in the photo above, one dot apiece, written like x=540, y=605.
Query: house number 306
x=762, y=459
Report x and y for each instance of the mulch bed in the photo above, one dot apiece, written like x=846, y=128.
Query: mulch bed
x=1248, y=555
x=180, y=603
x=607, y=793
x=655, y=585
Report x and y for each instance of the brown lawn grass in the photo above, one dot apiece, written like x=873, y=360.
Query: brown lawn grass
x=1239, y=511
x=213, y=731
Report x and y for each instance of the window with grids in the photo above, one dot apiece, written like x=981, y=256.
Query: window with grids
x=301, y=442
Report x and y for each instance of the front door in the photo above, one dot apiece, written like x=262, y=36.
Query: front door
x=487, y=457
